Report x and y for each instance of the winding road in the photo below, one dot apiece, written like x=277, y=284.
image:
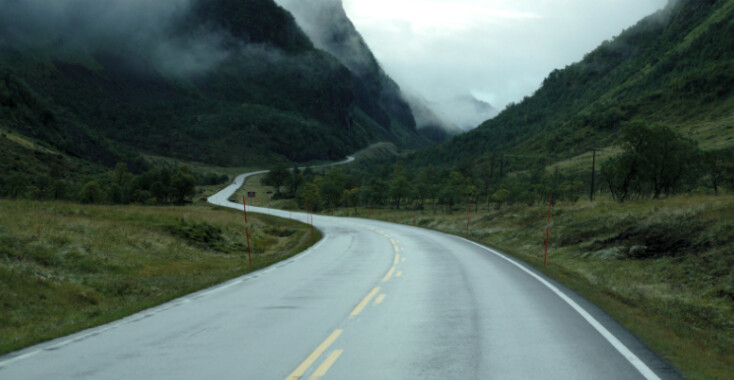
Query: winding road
x=371, y=300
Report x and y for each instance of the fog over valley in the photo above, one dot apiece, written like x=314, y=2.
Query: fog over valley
x=496, y=51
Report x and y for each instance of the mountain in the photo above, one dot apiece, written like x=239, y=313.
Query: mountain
x=675, y=67
x=468, y=111
x=327, y=24
x=429, y=124
x=227, y=82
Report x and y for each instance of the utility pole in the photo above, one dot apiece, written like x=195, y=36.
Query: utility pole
x=593, y=174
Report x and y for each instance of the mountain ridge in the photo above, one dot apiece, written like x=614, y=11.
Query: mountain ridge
x=227, y=82
x=674, y=67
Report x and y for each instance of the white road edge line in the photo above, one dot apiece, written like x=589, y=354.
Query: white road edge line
x=616, y=343
x=18, y=358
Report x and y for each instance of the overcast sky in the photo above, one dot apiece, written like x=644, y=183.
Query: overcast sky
x=497, y=50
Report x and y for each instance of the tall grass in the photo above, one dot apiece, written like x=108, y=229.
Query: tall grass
x=66, y=267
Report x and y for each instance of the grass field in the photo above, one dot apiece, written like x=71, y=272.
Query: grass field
x=66, y=267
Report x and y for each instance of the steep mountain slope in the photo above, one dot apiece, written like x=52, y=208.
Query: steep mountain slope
x=675, y=67
x=329, y=27
x=230, y=82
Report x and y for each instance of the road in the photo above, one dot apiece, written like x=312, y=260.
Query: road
x=371, y=300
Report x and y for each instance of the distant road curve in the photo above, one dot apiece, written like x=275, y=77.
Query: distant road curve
x=372, y=300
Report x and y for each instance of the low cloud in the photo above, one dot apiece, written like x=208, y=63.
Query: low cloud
x=147, y=27
x=497, y=50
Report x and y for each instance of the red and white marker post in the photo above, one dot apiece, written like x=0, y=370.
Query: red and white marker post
x=247, y=229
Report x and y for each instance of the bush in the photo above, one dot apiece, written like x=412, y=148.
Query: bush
x=91, y=192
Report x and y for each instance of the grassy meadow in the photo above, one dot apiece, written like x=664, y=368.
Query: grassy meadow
x=65, y=267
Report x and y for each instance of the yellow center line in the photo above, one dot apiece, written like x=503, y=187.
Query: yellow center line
x=364, y=302
x=326, y=365
x=379, y=299
x=388, y=275
x=397, y=249
x=314, y=355
x=400, y=273
x=397, y=257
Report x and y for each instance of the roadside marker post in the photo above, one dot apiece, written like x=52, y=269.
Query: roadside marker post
x=547, y=230
x=468, y=222
x=247, y=230
x=414, y=205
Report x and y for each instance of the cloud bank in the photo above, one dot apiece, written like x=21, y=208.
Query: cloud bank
x=148, y=27
x=497, y=51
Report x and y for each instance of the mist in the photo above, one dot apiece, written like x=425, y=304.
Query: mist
x=327, y=25
x=88, y=26
x=330, y=29
x=497, y=51
x=324, y=21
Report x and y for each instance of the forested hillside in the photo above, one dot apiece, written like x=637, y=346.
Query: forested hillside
x=227, y=82
x=675, y=68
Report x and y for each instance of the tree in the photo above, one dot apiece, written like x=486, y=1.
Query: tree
x=295, y=181
x=160, y=185
x=160, y=192
x=716, y=163
x=91, y=192
x=351, y=197
x=423, y=185
x=120, y=176
x=183, y=185
x=666, y=156
x=399, y=189
x=336, y=176
x=330, y=193
x=277, y=178
x=379, y=191
x=656, y=160
x=458, y=187
x=309, y=193
x=500, y=196
x=619, y=173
